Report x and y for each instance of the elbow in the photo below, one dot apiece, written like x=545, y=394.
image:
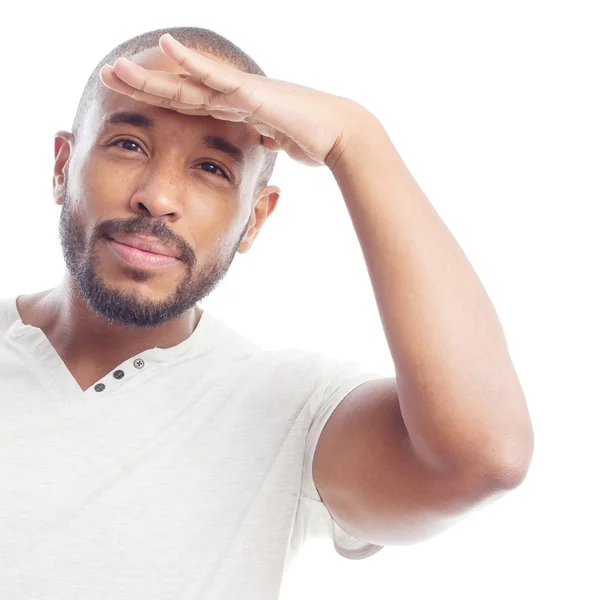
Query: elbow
x=513, y=456
x=514, y=466
x=505, y=470
x=510, y=477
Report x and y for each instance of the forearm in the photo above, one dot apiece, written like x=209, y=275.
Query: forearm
x=460, y=397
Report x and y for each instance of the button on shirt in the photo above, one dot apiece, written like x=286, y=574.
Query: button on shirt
x=183, y=473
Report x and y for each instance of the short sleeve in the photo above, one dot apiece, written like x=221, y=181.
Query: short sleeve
x=338, y=379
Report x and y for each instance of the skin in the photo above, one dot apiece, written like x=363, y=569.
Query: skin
x=104, y=311
x=402, y=457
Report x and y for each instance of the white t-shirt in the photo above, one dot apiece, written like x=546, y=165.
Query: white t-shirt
x=184, y=473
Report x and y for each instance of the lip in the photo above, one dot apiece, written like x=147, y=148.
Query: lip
x=143, y=243
x=140, y=258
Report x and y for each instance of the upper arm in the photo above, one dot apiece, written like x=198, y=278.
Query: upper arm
x=372, y=482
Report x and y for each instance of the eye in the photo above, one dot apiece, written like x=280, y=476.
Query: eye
x=124, y=140
x=216, y=167
x=128, y=141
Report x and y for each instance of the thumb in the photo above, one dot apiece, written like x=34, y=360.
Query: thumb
x=270, y=144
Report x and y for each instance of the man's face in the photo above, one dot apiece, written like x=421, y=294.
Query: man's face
x=160, y=182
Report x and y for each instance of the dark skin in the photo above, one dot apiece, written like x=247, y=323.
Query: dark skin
x=402, y=457
x=159, y=183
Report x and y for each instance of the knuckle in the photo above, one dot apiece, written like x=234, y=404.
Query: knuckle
x=178, y=95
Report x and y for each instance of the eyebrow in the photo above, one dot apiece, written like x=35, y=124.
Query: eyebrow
x=215, y=142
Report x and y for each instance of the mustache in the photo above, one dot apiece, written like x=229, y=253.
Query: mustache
x=146, y=228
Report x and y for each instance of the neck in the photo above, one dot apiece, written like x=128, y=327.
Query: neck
x=81, y=336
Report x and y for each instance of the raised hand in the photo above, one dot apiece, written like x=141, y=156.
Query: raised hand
x=313, y=127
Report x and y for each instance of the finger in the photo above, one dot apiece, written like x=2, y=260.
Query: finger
x=270, y=144
x=261, y=127
x=215, y=75
x=226, y=115
x=110, y=80
x=194, y=112
x=164, y=84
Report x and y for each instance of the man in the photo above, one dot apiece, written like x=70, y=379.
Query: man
x=149, y=450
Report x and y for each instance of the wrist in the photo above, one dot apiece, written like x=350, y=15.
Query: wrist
x=361, y=126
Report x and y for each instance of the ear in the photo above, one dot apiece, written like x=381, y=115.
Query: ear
x=263, y=207
x=63, y=147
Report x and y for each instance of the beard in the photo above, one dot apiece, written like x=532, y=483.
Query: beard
x=128, y=307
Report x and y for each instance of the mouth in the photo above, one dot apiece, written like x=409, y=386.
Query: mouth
x=141, y=259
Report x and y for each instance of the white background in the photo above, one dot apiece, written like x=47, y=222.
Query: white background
x=493, y=106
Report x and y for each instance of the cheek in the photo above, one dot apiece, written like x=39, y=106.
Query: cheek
x=102, y=189
x=211, y=245
x=210, y=219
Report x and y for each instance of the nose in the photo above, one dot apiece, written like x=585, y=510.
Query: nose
x=158, y=195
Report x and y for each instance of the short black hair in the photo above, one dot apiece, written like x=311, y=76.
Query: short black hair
x=196, y=38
